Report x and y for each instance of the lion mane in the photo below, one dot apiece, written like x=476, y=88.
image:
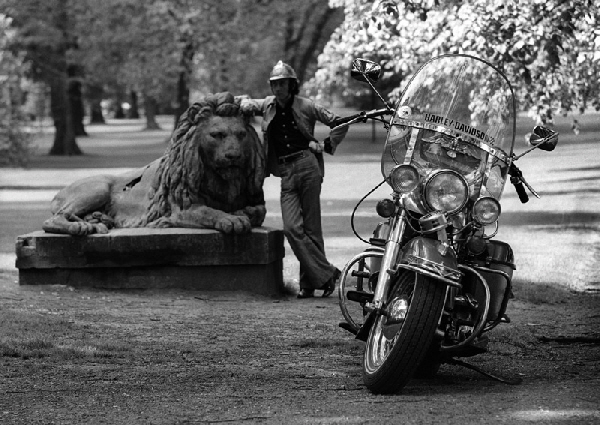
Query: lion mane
x=182, y=178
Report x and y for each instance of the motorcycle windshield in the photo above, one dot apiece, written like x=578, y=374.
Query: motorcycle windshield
x=457, y=112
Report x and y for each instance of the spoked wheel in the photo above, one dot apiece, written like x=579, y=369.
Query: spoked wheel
x=396, y=347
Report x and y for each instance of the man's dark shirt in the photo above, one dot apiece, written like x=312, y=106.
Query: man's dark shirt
x=284, y=132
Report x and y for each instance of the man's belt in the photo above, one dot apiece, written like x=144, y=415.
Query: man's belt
x=286, y=159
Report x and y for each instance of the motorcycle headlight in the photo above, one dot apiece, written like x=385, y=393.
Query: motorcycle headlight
x=404, y=178
x=486, y=210
x=446, y=191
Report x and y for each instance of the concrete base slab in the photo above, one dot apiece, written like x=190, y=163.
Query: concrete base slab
x=142, y=258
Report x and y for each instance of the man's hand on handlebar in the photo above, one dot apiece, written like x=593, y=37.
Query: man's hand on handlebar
x=362, y=116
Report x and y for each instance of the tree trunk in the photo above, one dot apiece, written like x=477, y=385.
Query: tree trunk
x=76, y=100
x=150, y=108
x=95, y=98
x=134, y=110
x=306, y=33
x=64, y=136
x=119, y=111
x=183, y=97
x=183, y=88
x=60, y=103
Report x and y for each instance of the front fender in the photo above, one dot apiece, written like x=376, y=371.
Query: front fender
x=431, y=258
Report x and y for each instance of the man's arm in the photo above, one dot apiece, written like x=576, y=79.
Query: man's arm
x=335, y=136
x=252, y=106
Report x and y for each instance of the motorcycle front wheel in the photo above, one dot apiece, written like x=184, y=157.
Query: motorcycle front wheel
x=395, y=348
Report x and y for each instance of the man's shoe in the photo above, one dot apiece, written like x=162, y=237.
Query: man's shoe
x=306, y=293
x=329, y=287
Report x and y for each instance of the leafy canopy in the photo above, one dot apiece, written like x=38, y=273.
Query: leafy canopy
x=549, y=49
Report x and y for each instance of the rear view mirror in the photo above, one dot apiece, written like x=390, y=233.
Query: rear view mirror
x=543, y=138
x=365, y=70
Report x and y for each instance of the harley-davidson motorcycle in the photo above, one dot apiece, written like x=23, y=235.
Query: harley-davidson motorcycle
x=433, y=282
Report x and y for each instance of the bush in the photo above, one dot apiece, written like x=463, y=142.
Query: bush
x=15, y=142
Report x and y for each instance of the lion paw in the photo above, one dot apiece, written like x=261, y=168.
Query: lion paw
x=80, y=228
x=255, y=214
x=233, y=224
x=98, y=217
x=101, y=228
x=69, y=224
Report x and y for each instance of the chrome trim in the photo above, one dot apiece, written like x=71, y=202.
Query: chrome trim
x=493, y=234
x=375, y=252
x=486, y=173
x=390, y=256
x=432, y=269
x=487, y=269
x=477, y=330
x=508, y=278
x=497, y=152
x=414, y=134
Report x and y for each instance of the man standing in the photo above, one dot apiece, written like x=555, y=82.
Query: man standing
x=295, y=155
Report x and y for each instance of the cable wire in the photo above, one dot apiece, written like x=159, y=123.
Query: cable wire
x=356, y=207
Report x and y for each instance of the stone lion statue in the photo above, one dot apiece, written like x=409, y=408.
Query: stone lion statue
x=211, y=176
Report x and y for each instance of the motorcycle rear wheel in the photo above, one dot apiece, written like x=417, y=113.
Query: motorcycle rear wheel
x=394, y=351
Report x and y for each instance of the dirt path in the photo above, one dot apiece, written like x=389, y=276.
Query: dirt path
x=186, y=357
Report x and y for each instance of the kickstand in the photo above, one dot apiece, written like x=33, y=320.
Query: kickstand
x=508, y=381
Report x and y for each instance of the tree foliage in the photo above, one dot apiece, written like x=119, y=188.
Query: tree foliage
x=167, y=51
x=15, y=141
x=214, y=45
x=549, y=49
x=45, y=36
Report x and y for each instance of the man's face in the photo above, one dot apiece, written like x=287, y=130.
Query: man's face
x=281, y=90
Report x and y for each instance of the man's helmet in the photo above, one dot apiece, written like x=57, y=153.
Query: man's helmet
x=282, y=70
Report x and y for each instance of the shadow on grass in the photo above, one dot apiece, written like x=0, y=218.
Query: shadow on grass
x=540, y=293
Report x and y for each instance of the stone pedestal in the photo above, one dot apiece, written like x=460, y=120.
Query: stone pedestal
x=146, y=258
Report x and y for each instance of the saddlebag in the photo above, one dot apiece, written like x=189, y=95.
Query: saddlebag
x=496, y=264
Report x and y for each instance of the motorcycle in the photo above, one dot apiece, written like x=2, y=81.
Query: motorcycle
x=433, y=282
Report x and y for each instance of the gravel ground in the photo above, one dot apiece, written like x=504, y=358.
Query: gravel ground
x=174, y=357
